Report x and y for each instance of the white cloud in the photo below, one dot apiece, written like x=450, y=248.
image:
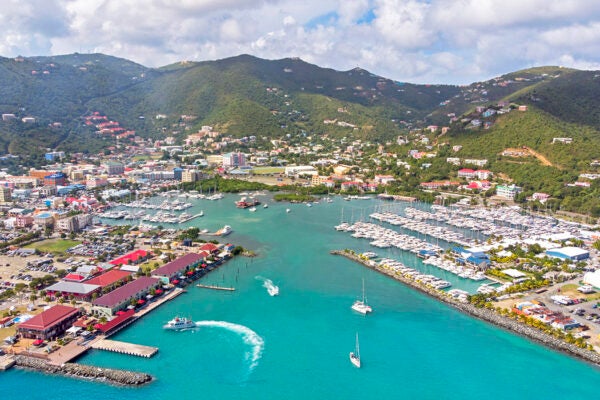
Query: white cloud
x=422, y=41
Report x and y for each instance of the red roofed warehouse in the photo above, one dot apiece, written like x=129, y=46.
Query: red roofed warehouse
x=120, y=298
x=50, y=323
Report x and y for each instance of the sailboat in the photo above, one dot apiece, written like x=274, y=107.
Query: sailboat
x=361, y=305
x=355, y=355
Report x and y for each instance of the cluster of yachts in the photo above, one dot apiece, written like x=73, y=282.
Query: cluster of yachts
x=398, y=268
x=384, y=238
x=167, y=205
x=508, y=222
x=193, y=194
x=160, y=216
x=424, y=228
x=462, y=271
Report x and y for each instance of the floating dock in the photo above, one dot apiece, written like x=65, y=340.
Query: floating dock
x=125, y=348
x=229, y=289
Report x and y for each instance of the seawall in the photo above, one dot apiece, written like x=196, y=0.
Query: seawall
x=107, y=375
x=482, y=313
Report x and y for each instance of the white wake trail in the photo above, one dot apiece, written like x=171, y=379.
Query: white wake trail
x=249, y=337
x=268, y=284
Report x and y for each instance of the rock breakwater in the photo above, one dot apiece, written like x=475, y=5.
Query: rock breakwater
x=107, y=375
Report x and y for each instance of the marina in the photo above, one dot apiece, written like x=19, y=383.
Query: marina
x=244, y=338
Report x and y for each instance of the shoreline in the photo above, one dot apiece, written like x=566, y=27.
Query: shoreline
x=483, y=314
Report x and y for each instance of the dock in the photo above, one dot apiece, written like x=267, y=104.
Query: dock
x=6, y=362
x=125, y=348
x=214, y=287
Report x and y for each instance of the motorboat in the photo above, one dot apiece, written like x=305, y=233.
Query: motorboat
x=179, y=323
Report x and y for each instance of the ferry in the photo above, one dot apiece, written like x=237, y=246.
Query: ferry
x=177, y=324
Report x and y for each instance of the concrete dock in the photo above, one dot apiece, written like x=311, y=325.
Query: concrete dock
x=6, y=362
x=125, y=348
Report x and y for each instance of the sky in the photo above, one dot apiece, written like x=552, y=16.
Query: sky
x=418, y=41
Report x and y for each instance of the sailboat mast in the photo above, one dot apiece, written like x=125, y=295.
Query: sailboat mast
x=357, y=347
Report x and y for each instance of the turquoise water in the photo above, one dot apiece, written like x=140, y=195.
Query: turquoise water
x=250, y=345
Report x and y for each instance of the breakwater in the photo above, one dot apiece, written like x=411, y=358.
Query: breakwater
x=480, y=313
x=107, y=375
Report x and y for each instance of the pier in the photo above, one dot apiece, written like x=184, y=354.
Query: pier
x=214, y=287
x=125, y=348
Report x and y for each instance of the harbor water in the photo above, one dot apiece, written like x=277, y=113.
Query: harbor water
x=250, y=345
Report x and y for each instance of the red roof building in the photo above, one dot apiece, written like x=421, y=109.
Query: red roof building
x=179, y=266
x=117, y=321
x=110, y=278
x=135, y=257
x=210, y=247
x=121, y=297
x=50, y=323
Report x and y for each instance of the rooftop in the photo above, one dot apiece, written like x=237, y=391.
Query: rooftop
x=50, y=317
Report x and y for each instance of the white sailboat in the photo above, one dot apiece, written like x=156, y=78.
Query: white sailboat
x=355, y=355
x=361, y=306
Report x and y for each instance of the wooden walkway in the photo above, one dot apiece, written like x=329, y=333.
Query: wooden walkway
x=125, y=348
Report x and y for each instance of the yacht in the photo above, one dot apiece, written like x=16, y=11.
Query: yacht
x=355, y=355
x=361, y=306
x=265, y=205
x=177, y=324
x=287, y=210
x=224, y=231
x=252, y=209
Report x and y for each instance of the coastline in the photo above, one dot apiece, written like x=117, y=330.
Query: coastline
x=483, y=314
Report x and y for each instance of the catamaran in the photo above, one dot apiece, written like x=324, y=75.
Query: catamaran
x=355, y=355
x=361, y=306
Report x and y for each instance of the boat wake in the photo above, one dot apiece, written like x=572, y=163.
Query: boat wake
x=268, y=284
x=249, y=337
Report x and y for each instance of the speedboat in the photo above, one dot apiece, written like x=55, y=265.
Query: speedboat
x=273, y=290
x=178, y=323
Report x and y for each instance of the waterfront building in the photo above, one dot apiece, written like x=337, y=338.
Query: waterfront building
x=110, y=278
x=122, y=297
x=50, y=323
x=180, y=266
